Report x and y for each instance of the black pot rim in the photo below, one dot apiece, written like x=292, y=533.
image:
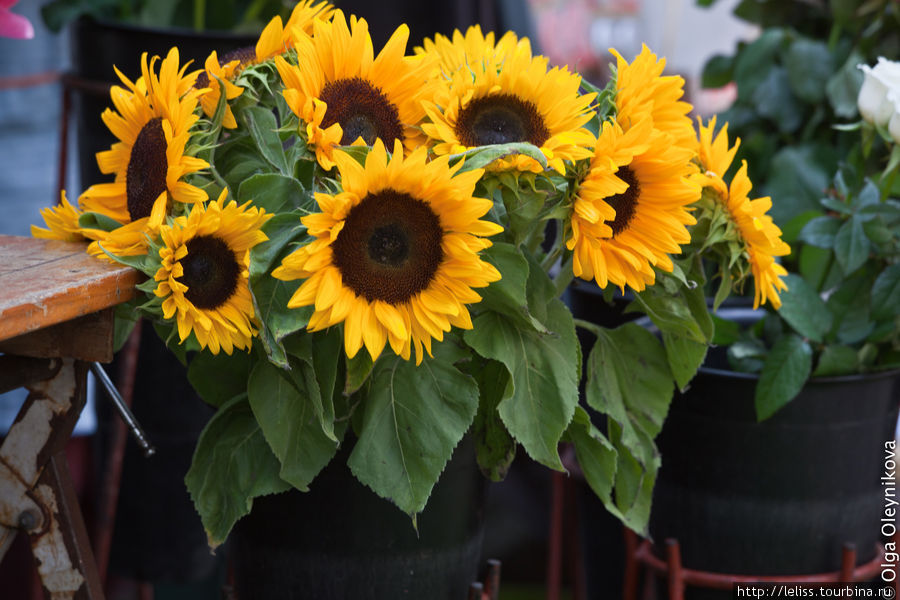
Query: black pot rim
x=211, y=34
x=852, y=378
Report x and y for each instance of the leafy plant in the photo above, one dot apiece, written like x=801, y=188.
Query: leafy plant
x=834, y=177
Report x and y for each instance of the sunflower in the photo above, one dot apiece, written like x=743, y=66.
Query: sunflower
x=344, y=96
x=474, y=48
x=218, y=77
x=276, y=39
x=395, y=254
x=152, y=121
x=632, y=208
x=519, y=100
x=641, y=88
x=203, y=278
x=61, y=221
x=760, y=236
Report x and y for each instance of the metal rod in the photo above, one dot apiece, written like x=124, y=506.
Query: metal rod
x=136, y=431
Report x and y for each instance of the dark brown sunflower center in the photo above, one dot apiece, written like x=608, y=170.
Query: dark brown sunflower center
x=363, y=110
x=389, y=248
x=211, y=272
x=500, y=119
x=625, y=204
x=145, y=178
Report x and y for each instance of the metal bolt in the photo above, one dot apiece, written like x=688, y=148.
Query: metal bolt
x=28, y=520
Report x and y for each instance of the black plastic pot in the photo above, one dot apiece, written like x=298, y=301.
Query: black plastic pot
x=782, y=496
x=340, y=540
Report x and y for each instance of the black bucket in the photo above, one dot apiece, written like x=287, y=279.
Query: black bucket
x=780, y=497
x=340, y=540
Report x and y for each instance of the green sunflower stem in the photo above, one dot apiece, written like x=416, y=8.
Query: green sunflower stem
x=199, y=14
x=564, y=277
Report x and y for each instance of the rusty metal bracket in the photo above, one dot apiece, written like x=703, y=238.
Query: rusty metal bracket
x=36, y=494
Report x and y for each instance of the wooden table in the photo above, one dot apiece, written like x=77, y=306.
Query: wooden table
x=56, y=315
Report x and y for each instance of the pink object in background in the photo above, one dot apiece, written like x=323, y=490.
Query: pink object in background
x=13, y=25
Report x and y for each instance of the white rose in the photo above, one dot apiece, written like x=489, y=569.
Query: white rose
x=874, y=104
x=894, y=123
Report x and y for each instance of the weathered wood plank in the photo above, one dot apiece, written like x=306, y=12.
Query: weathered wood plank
x=44, y=282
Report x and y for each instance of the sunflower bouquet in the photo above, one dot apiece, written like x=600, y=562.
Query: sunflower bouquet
x=369, y=249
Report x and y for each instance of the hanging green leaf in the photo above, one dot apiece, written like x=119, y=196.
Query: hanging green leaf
x=290, y=421
x=804, y=310
x=414, y=418
x=542, y=391
x=495, y=447
x=263, y=128
x=220, y=377
x=232, y=465
x=783, y=376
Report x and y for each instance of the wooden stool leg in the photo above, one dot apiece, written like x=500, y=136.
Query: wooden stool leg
x=72, y=570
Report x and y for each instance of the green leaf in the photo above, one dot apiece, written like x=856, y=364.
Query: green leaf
x=291, y=424
x=726, y=331
x=281, y=229
x=542, y=391
x=746, y=356
x=820, y=232
x=799, y=176
x=628, y=379
x=218, y=378
x=263, y=128
x=868, y=196
x=754, y=63
x=92, y=220
x=634, y=482
x=358, y=370
x=878, y=232
x=232, y=465
x=804, y=310
x=270, y=298
x=127, y=316
x=685, y=357
x=851, y=246
x=843, y=87
x=809, y=66
x=717, y=72
x=836, y=360
x=480, y=157
x=508, y=295
x=886, y=293
x=596, y=457
x=414, y=418
x=774, y=100
x=676, y=313
x=849, y=304
x=275, y=193
x=237, y=160
x=495, y=447
x=836, y=204
x=785, y=372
